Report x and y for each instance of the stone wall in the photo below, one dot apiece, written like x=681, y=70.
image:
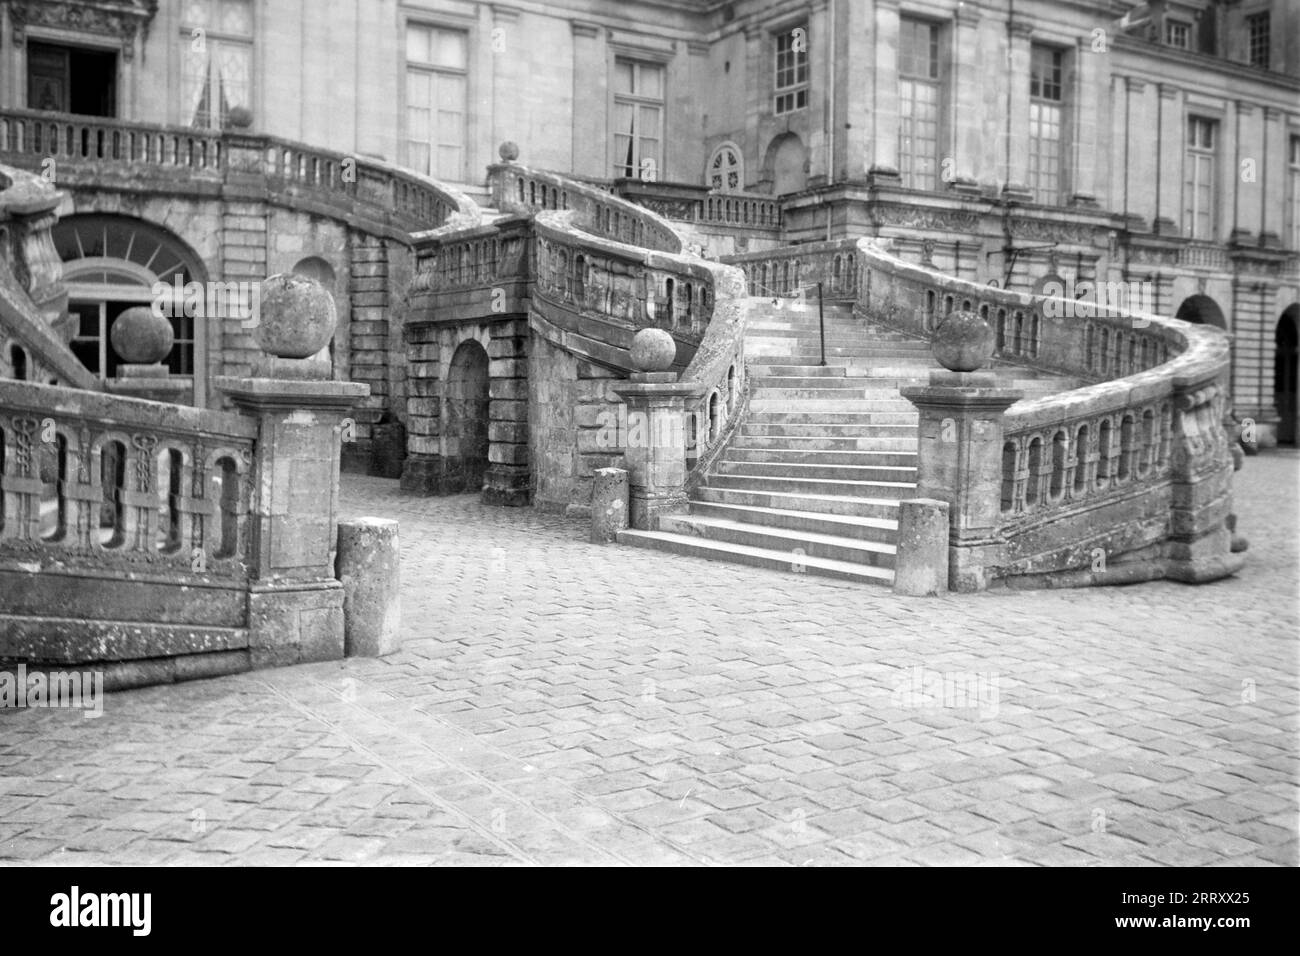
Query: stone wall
x=570, y=400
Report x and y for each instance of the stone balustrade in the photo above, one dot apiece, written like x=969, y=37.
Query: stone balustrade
x=787, y=270
x=1126, y=478
x=92, y=480
x=88, y=149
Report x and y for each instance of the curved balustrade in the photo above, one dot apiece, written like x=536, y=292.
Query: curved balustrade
x=332, y=179
x=519, y=189
x=1134, y=467
x=785, y=271
x=93, y=481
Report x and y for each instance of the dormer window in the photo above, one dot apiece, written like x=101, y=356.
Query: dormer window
x=1178, y=34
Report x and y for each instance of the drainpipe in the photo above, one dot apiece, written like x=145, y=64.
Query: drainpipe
x=830, y=126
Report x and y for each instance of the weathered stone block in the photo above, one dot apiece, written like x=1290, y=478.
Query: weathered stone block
x=368, y=566
x=921, y=563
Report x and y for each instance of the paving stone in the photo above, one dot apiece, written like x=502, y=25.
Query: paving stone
x=551, y=706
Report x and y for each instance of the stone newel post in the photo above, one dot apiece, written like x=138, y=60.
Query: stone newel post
x=295, y=604
x=656, y=430
x=960, y=447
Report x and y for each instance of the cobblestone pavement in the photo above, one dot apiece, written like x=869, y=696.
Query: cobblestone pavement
x=561, y=703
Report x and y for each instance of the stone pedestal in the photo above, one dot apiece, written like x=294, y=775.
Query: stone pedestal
x=960, y=462
x=921, y=564
x=295, y=602
x=151, y=381
x=369, y=566
x=656, y=445
x=609, y=504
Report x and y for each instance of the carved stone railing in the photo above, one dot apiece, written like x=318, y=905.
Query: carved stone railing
x=89, y=151
x=123, y=486
x=518, y=189
x=787, y=270
x=739, y=209
x=1124, y=479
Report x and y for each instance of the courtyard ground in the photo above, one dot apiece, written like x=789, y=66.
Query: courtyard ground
x=557, y=702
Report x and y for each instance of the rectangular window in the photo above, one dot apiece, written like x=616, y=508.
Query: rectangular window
x=918, y=104
x=791, y=70
x=1257, y=30
x=216, y=60
x=1294, y=204
x=437, y=66
x=1198, y=178
x=1046, y=122
x=1177, y=34
x=638, y=119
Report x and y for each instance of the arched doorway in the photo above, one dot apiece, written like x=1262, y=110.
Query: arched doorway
x=787, y=164
x=1201, y=310
x=1284, y=374
x=111, y=263
x=465, y=417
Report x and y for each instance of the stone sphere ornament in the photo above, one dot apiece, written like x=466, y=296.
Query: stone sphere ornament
x=239, y=117
x=141, y=337
x=653, y=350
x=963, y=342
x=296, y=317
x=508, y=151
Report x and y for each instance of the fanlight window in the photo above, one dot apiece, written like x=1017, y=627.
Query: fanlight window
x=726, y=171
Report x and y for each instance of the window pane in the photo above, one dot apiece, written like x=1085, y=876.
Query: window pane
x=237, y=17
x=622, y=76
x=651, y=81
x=419, y=43
x=449, y=49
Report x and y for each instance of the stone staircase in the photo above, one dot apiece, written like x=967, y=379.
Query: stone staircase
x=812, y=479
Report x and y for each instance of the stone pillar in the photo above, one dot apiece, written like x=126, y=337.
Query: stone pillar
x=1201, y=466
x=1170, y=146
x=656, y=434
x=960, y=449
x=369, y=568
x=1273, y=178
x=921, y=562
x=1248, y=191
x=1140, y=168
x=1091, y=88
x=609, y=504
x=884, y=162
x=1017, y=154
x=960, y=462
x=506, y=481
x=295, y=603
x=969, y=102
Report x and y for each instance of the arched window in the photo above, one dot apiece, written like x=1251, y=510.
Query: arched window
x=726, y=169
x=111, y=263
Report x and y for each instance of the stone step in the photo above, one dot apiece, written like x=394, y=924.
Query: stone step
x=815, y=470
x=825, y=383
x=870, y=399
x=785, y=454
x=886, y=508
x=758, y=557
x=883, y=530
x=799, y=371
x=860, y=419
x=833, y=406
x=796, y=544
x=904, y=441
x=882, y=490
